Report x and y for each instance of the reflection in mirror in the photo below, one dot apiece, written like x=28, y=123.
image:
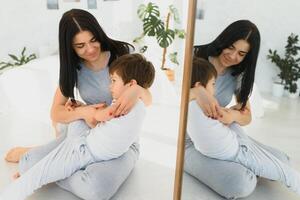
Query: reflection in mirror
x=240, y=147
x=146, y=169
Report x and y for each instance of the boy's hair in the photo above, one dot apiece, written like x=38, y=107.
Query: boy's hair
x=202, y=71
x=134, y=66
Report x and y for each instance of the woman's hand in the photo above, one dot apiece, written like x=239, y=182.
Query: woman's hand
x=206, y=101
x=126, y=101
x=242, y=116
x=71, y=105
x=103, y=115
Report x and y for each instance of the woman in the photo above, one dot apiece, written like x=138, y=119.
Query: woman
x=86, y=53
x=234, y=55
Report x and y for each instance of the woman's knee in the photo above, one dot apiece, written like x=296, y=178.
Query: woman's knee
x=86, y=186
x=103, y=189
x=230, y=180
x=101, y=180
x=240, y=185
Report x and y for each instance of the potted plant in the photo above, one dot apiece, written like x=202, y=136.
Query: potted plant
x=154, y=26
x=17, y=61
x=289, y=66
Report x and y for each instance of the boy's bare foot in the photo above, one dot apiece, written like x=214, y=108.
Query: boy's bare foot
x=16, y=175
x=15, y=154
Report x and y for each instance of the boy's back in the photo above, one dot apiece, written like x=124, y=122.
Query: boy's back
x=114, y=137
x=210, y=137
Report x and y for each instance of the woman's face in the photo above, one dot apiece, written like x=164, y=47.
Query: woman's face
x=86, y=46
x=235, y=53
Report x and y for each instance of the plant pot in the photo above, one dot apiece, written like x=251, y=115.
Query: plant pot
x=294, y=95
x=170, y=74
x=277, y=89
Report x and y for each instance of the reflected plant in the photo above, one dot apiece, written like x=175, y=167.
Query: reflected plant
x=289, y=65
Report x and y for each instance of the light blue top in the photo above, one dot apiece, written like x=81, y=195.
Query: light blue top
x=225, y=88
x=93, y=86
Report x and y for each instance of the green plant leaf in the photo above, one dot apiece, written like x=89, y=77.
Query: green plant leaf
x=23, y=60
x=180, y=33
x=143, y=49
x=151, y=10
x=288, y=64
x=23, y=51
x=13, y=57
x=173, y=57
x=139, y=39
x=165, y=38
x=152, y=26
x=174, y=12
x=5, y=65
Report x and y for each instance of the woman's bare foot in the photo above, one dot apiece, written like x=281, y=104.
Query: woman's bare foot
x=16, y=153
x=16, y=175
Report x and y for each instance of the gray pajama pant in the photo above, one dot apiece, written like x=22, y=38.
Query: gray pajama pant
x=263, y=163
x=62, y=160
x=236, y=177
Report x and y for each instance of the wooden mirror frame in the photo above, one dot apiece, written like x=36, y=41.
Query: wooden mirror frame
x=189, y=42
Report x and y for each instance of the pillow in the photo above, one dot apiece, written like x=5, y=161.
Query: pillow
x=28, y=90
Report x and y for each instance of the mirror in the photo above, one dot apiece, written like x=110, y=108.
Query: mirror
x=274, y=119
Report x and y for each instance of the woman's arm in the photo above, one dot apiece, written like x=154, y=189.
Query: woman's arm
x=104, y=114
x=59, y=113
x=206, y=101
x=145, y=95
x=129, y=97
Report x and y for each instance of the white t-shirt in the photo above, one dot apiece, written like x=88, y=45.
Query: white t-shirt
x=210, y=137
x=113, y=138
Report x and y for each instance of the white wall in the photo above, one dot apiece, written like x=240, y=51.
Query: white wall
x=276, y=19
x=29, y=23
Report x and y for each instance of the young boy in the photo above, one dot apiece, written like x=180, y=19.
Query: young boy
x=83, y=145
x=216, y=139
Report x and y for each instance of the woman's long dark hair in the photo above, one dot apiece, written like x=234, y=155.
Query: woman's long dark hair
x=71, y=23
x=241, y=29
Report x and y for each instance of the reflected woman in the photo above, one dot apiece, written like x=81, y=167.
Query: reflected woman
x=228, y=142
x=234, y=55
